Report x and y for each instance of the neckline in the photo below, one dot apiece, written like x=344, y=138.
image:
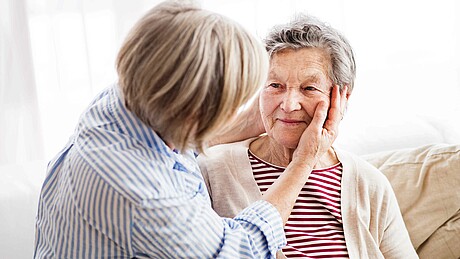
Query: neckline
x=282, y=167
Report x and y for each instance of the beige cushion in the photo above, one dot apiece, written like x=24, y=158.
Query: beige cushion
x=426, y=181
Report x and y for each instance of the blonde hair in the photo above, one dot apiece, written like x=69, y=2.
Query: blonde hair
x=185, y=72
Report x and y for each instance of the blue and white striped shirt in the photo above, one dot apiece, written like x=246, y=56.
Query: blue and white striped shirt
x=117, y=191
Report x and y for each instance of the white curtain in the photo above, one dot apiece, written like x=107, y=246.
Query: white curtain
x=21, y=139
x=74, y=46
x=20, y=135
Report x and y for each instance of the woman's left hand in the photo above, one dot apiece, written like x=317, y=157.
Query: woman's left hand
x=337, y=108
x=322, y=131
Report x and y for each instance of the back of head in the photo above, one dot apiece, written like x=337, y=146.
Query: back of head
x=306, y=31
x=185, y=71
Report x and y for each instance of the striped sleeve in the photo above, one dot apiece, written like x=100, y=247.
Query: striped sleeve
x=193, y=229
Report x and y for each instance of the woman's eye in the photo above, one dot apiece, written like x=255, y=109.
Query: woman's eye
x=274, y=85
x=310, y=88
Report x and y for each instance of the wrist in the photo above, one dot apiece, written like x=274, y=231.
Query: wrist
x=305, y=166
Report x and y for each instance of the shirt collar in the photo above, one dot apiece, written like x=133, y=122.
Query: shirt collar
x=131, y=125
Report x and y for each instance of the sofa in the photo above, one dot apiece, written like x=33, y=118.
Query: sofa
x=426, y=181
x=420, y=156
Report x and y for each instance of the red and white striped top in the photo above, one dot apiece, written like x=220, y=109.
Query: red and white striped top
x=314, y=229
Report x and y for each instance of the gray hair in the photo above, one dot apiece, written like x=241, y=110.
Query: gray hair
x=309, y=32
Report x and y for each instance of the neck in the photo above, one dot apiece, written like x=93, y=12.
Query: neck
x=268, y=150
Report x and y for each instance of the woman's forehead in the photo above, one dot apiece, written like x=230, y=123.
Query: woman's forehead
x=308, y=64
x=300, y=59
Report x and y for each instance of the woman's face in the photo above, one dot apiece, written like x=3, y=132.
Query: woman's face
x=297, y=81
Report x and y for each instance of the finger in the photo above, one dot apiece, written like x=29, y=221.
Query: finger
x=320, y=115
x=344, y=99
x=335, y=111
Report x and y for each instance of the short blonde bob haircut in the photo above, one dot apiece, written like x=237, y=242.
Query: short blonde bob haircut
x=185, y=72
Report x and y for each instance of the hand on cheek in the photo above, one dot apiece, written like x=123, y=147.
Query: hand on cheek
x=323, y=129
x=337, y=108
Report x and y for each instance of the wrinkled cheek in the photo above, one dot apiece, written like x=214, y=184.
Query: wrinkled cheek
x=310, y=106
x=268, y=123
x=267, y=110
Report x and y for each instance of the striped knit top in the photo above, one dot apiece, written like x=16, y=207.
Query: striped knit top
x=314, y=229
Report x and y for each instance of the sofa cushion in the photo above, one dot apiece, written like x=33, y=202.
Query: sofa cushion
x=426, y=181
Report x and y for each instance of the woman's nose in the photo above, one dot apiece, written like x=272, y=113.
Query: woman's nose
x=291, y=101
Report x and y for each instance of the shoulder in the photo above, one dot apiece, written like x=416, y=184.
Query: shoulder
x=224, y=153
x=131, y=167
x=359, y=172
x=132, y=170
x=226, y=164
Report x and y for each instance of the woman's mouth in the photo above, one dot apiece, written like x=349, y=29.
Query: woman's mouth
x=290, y=121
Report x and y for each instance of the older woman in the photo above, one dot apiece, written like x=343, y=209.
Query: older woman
x=127, y=184
x=346, y=207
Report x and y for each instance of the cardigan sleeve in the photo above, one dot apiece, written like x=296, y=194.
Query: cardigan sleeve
x=396, y=242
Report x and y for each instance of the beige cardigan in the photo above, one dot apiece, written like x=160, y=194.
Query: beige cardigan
x=372, y=222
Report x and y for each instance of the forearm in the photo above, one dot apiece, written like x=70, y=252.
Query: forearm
x=198, y=232
x=285, y=190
